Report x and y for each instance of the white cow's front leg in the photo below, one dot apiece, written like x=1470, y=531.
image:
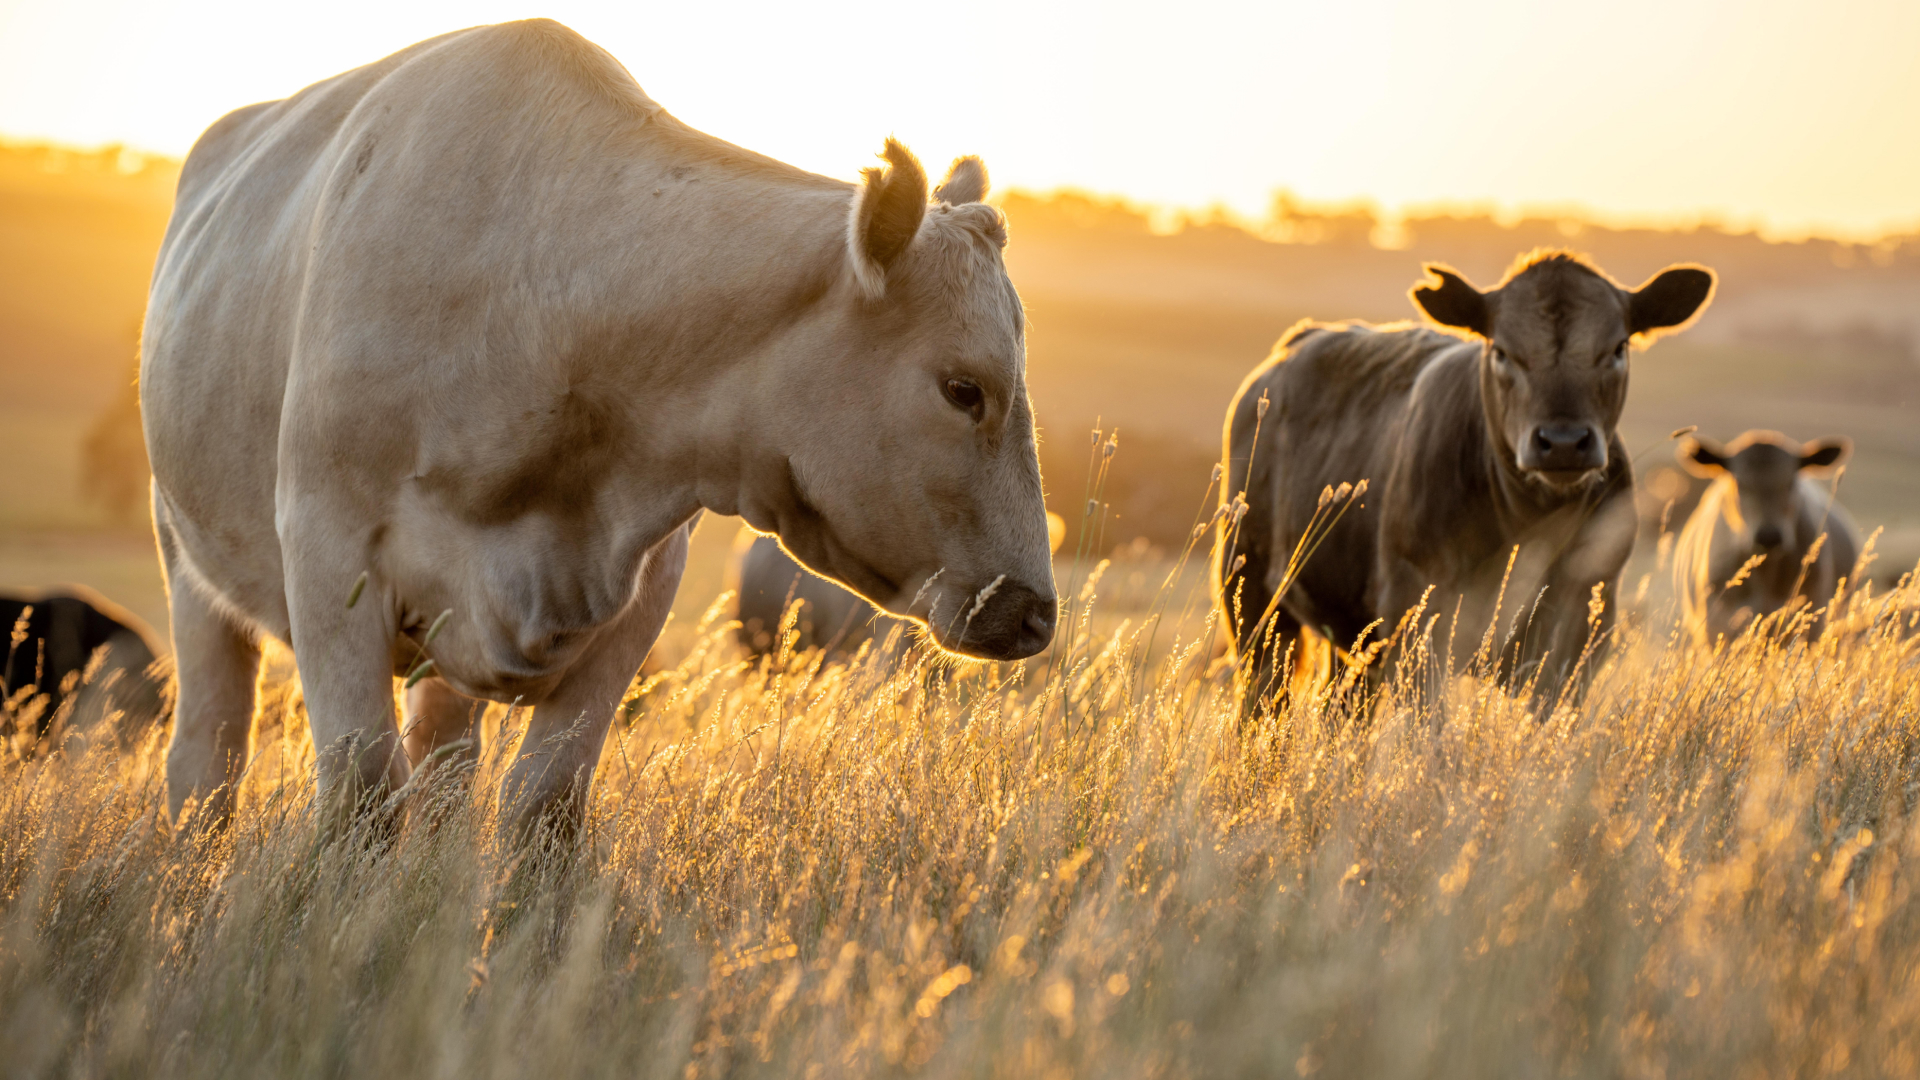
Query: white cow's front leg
x=551, y=775
x=345, y=655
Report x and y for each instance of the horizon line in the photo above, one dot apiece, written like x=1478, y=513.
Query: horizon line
x=1167, y=219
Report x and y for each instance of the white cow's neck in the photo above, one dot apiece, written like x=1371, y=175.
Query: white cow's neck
x=708, y=264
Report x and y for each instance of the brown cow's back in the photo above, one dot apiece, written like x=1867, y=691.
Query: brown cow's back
x=1338, y=398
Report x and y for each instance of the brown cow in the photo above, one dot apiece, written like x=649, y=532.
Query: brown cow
x=1764, y=505
x=1496, y=478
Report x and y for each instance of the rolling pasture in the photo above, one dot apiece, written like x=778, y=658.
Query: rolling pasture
x=1086, y=864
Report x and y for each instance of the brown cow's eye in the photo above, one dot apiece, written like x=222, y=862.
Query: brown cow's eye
x=967, y=396
x=1619, y=353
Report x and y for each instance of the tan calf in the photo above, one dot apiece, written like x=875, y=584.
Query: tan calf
x=1767, y=535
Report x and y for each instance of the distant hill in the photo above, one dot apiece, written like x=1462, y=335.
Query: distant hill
x=1153, y=332
x=78, y=233
x=1150, y=330
x=1117, y=307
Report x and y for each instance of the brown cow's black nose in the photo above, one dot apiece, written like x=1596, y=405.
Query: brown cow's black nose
x=1767, y=536
x=1564, y=448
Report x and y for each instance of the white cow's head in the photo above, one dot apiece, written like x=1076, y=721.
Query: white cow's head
x=904, y=461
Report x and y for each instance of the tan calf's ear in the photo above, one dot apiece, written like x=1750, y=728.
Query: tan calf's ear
x=1669, y=300
x=886, y=214
x=1822, y=454
x=1701, y=457
x=1449, y=300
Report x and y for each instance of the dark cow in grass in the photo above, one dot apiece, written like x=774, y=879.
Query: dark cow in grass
x=1498, y=492
x=75, y=660
x=767, y=580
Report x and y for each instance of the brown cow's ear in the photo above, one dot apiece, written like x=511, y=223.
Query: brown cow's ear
x=1669, y=300
x=1822, y=454
x=1450, y=301
x=886, y=214
x=1701, y=457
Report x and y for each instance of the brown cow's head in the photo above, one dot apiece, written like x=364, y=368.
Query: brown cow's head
x=1765, y=467
x=1556, y=333
x=906, y=466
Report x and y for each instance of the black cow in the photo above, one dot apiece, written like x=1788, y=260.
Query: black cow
x=75, y=659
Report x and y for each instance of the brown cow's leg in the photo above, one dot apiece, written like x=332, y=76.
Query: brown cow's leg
x=547, y=785
x=1574, y=648
x=1263, y=632
x=1240, y=595
x=1274, y=656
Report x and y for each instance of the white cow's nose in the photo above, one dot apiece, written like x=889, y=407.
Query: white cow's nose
x=1038, y=628
x=1013, y=623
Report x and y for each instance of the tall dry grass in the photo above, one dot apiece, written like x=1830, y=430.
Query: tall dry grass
x=1087, y=868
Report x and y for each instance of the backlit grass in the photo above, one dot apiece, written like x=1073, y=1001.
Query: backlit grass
x=1083, y=867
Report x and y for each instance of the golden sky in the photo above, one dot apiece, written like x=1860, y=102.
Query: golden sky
x=1794, y=116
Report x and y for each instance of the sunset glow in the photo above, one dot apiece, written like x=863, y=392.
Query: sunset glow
x=1787, y=116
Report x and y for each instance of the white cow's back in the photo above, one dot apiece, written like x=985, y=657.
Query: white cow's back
x=384, y=294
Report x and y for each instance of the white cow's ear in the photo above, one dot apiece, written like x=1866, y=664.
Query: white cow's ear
x=966, y=182
x=887, y=210
x=1822, y=454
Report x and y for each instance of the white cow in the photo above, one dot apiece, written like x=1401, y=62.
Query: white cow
x=478, y=329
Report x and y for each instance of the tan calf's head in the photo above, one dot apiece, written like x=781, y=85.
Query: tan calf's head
x=904, y=422
x=1553, y=370
x=1765, y=467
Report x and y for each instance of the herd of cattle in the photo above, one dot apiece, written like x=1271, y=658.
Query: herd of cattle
x=420, y=407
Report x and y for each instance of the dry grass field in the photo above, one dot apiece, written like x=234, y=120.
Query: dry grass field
x=1086, y=865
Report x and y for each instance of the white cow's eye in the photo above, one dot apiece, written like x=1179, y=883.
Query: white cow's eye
x=966, y=395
